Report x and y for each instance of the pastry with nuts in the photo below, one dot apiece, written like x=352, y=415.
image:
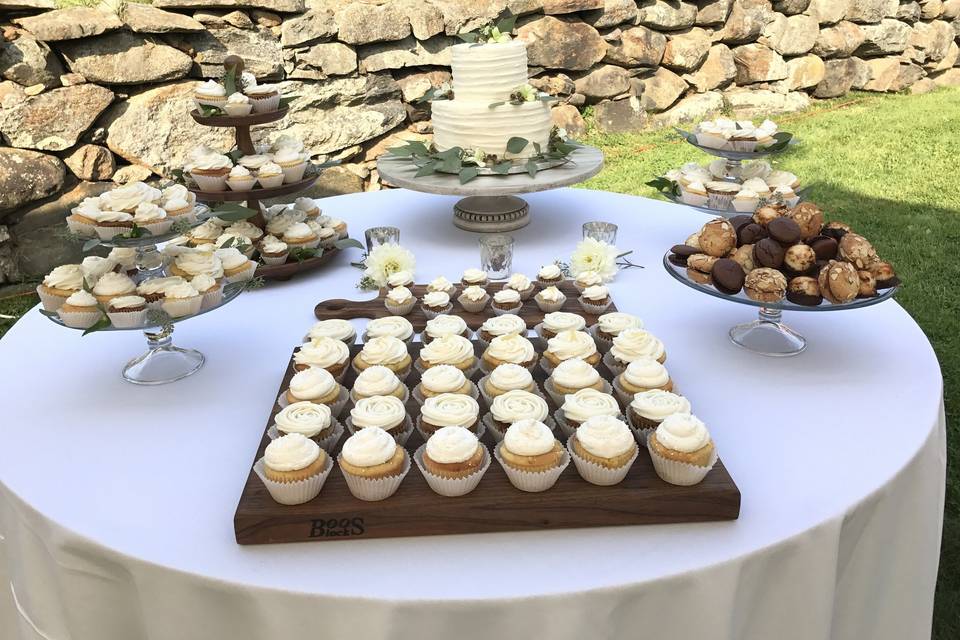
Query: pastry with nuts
x=839, y=282
x=765, y=285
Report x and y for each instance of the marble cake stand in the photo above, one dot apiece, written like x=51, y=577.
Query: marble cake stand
x=490, y=204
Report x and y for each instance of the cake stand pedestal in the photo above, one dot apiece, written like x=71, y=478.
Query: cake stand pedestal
x=491, y=204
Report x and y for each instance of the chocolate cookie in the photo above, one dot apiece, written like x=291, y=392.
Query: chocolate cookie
x=680, y=252
x=799, y=258
x=835, y=230
x=824, y=246
x=750, y=233
x=804, y=290
x=740, y=220
x=784, y=230
x=768, y=253
x=728, y=276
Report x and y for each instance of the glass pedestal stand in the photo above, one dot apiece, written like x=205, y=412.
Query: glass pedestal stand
x=163, y=362
x=767, y=335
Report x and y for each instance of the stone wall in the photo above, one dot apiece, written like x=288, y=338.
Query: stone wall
x=89, y=99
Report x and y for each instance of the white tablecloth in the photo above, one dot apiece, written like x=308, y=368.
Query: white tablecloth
x=117, y=501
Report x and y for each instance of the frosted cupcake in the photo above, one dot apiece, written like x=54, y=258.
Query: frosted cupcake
x=381, y=412
x=648, y=409
x=452, y=350
x=270, y=176
x=746, y=201
x=521, y=284
x=238, y=104
x=264, y=98
x=595, y=299
x=111, y=224
x=300, y=236
x=501, y=326
x=435, y=303
x=444, y=325
x=152, y=290
x=694, y=194
x=603, y=450
x=387, y=351
x=308, y=206
x=399, y=301
x=316, y=385
x=236, y=266
x=210, y=93
x=58, y=285
x=681, y=450
x=571, y=376
x=372, y=464
x=326, y=353
x=113, y=285
x=509, y=349
x=506, y=377
x=514, y=406
x=442, y=379
x=452, y=461
x=292, y=163
x=631, y=344
x=210, y=290
x=80, y=310
x=448, y=410
x=392, y=326
x=474, y=298
x=309, y=419
x=549, y=275
x=401, y=278
x=443, y=285
x=578, y=407
x=643, y=374
x=507, y=301
x=570, y=344
x=337, y=329
x=181, y=300
x=474, y=277
x=586, y=279
x=240, y=179
x=152, y=217
x=293, y=469
x=273, y=250
x=550, y=299
x=559, y=321
x=210, y=172
x=378, y=381
x=127, y=312
x=531, y=456
x=610, y=325
x=83, y=218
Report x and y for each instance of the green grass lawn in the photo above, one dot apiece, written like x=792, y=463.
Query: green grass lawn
x=887, y=165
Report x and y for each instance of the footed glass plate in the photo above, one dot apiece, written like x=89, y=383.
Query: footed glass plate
x=730, y=154
x=726, y=213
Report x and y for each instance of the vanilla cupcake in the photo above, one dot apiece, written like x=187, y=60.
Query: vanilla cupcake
x=448, y=410
x=326, y=353
x=127, y=312
x=299, y=235
x=401, y=278
x=293, y=469
x=507, y=301
x=531, y=456
x=586, y=279
x=263, y=98
x=399, y=301
x=387, y=351
x=111, y=224
x=392, y=326
x=549, y=275
x=270, y=175
x=550, y=299
x=514, y=406
x=746, y=201
x=506, y=377
x=58, y=285
x=571, y=376
x=309, y=419
x=328, y=237
x=181, y=300
x=595, y=299
x=210, y=172
x=210, y=290
x=648, y=409
x=444, y=325
x=273, y=250
x=694, y=194
x=152, y=217
x=681, y=450
x=378, y=381
x=630, y=344
x=570, y=344
x=578, y=407
x=521, y=284
x=452, y=350
x=501, y=326
x=720, y=194
x=474, y=277
x=338, y=329
x=113, y=285
x=474, y=298
x=452, y=461
x=316, y=385
x=610, y=325
x=238, y=105
x=205, y=233
x=236, y=266
x=443, y=285
x=210, y=93
x=372, y=464
x=240, y=179
x=292, y=163
x=381, y=412
x=83, y=218
x=152, y=290
x=511, y=348
x=80, y=310
x=254, y=161
x=558, y=322
x=603, y=450
x=643, y=374
x=435, y=303
x=443, y=378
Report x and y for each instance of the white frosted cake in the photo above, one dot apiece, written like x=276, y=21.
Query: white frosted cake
x=484, y=74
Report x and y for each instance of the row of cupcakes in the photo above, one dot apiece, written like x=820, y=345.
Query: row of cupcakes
x=282, y=162
x=116, y=212
x=252, y=97
x=708, y=186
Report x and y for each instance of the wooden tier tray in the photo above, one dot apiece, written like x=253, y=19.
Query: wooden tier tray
x=495, y=505
x=530, y=312
x=225, y=120
x=255, y=194
x=289, y=269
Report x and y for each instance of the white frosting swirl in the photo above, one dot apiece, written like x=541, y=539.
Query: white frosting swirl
x=450, y=410
x=305, y=417
x=439, y=283
x=93, y=267
x=180, y=291
x=147, y=212
x=158, y=285
x=385, y=412
x=529, y=438
x=511, y=348
x=474, y=276
x=273, y=245
x=682, y=432
x=213, y=162
x=646, y=372
x=631, y=344
x=125, y=302
x=66, y=276
x=114, y=284
x=507, y=296
x=241, y=172
x=384, y=350
x=549, y=272
x=322, y=352
x=390, y=326
x=589, y=278
x=551, y=294
x=445, y=325
x=474, y=293
x=575, y=374
x=81, y=298
x=502, y=325
x=400, y=279
x=269, y=169
x=657, y=404
x=571, y=344
x=399, y=295
x=605, y=437
x=209, y=230
x=563, y=321
x=519, y=405
x=587, y=403
x=312, y=383
x=197, y=262
x=437, y=299
x=519, y=282
x=595, y=293
x=511, y=376
x=203, y=282
x=210, y=88
x=368, y=448
x=291, y=453
x=449, y=445
x=443, y=378
x=447, y=350
x=245, y=229
x=615, y=322
x=376, y=381
x=298, y=231
x=337, y=329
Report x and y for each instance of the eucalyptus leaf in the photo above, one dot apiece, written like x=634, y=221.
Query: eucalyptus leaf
x=663, y=185
x=232, y=212
x=532, y=167
x=90, y=244
x=49, y=314
x=780, y=142
x=348, y=243
x=235, y=155
x=418, y=148
x=516, y=144
x=468, y=173
x=100, y=325
x=506, y=22
x=468, y=36
x=493, y=105
x=286, y=101
x=177, y=174
x=451, y=164
x=689, y=137
x=502, y=167
x=427, y=169
x=402, y=151
x=536, y=147
x=452, y=152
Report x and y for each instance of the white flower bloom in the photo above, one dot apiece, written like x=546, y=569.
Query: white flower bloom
x=593, y=255
x=527, y=92
x=562, y=134
x=478, y=157
x=387, y=259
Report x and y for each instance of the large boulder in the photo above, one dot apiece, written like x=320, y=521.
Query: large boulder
x=718, y=70
x=91, y=162
x=415, y=84
x=948, y=78
x=887, y=37
x=931, y=9
x=153, y=128
x=933, y=39
x=426, y=20
x=827, y=11
x=125, y=58
x=838, y=78
x=747, y=103
x=949, y=60
x=324, y=60
x=312, y=26
x=258, y=46
x=908, y=12
x=567, y=116
x=713, y=12
x=758, y=63
x=619, y=116
x=803, y=72
x=283, y=6
x=791, y=36
x=687, y=50
x=29, y=62
x=636, y=47
x=26, y=176
x=69, y=24
x=363, y=23
x=839, y=41
x=408, y=52
x=612, y=13
x=860, y=73
x=143, y=18
x=790, y=7
x=746, y=21
x=883, y=73
x=603, y=81
x=54, y=120
x=661, y=90
x=951, y=9
x=666, y=15
x=557, y=7
x=871, y=11
x=460, y=16
x=690, y=109
x=909, y=74
x=557, y=44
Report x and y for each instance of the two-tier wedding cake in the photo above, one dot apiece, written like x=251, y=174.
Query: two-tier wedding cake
x=484, y=74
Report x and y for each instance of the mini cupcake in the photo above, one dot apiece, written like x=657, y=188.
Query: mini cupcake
x=549, y=275
x=586, y=403
x=514, y=406
x=444, y=325
x=338, y=329
x=681, y=450
x=309, y=419
x=643, y=374
x=453, y=350
x=372, y=464
x=648, y=409
x=94, y=267
x=338, y=225
x=449, y=410
x=521, y=284
x=113, y=285
x=393, y=326
x=83, y=218
x=152, y=217
x=399, y=278
x=111, y=224
x=586, y=279
x=240, y=179
x=531, y=456
x=571, y=344
x=381, y=412
x=237, y=105
x=210, y=172
x=273, y=250
x=603, y=450
x=387, y=351
x=378, y=381
x=452, y=461
x=571, y=376
x=328, y=237
x=263, y=98
x=720, y=194
x=435, y=303
x=442, y=379
x=631, y=344
x=80, y=310
x=442, y=285
x=127, y=312
x=210, y=93
x=787, y=194
x=293, y=469
x=757, y=185
x=236, y=266
x=308, y=206
x=399, y=301
x=610, y=325
x=316, y=385
x=210, y=290
x=550, y=299
x=325, y=353
x=152, y=289
x=181, y=300
x=694, y=194
x=300, y=236
x=782, y=179
x=270, y=175
x=474, y=277
x=206, y=233
x=506, y=301
x=292, y=163
x=58, y=285
x=746, y=201
x=506, y=377
x=254, y=161
x=474, y=298
x=595, y=299
x=509, y=349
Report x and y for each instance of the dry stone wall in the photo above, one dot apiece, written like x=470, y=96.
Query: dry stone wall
x=89, y=98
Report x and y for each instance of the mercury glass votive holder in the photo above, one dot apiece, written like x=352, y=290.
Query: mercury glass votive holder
x=601, y=231
x=377, y=236
x=496, y=255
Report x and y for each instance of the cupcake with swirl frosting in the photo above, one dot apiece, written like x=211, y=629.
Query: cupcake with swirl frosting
x=643, y=374
x=587, y=279
x=326, y=353
x=549, y=275
x=507, y=301
x=399, y=301
x=441, y=379
x=550, y=299
x=80, y=310
x=435, y=303
x=309, y=419
x=631, y=344
x=585, y=404
x=648, y=409
x=293, y=469
x=373, y=464
x=509, y=349
x=474, y=278
x=381, y=412
x=501, y=325
x=531, y=456
x=444, y=325
x=389, y=326
x=603, y=450
x=337, y=329
x=452, y=350
x=441, y=285
x=559, y=321
x=513, y=406
x=452, y=461
x=571, y=376
x=473, y=299
x=401, y=278
x=60, y=284
x=316, y=385
x=595, y=299
x=610, y=325
x=570, y=344
x=387, y=351
x=506, y=377
x=681, y=449
x=521, y=284
x=448, y=410
x=378, y=381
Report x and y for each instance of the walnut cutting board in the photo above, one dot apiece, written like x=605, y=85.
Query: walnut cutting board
x=495, y=505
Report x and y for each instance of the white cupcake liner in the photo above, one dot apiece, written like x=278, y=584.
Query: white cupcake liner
x=680, y=473
x=473, y=306
x=743, y=146
x=595, y=309
x=491, y=428
x=420, y=399
x=452, y=487
x=374, y=490
x=745, y=205
x=532, y=482
x=238, y=110
x=181, y=307
x=244, y=275
x=603, y=344
x=487, y=369
x=640, y=433
x=212, y=298
x=273, y=260
x=109, y=233
x=210, y=101
x=613, y=365
x=719, y=201
x=80, y=319
x=502, y=312
x=159, y=227
x=336, y=407
x=468, y=372
x=546, y=283
x=299, y=492
x=327, y=443
x=401, y=437
x=241, y=185
x=550, y=307
x=270, y=182
x=558, y=398
x=49, y=301
x=712, y=141
x=210, y=183
x=597, y=474
x=403, y=399
x=693, y=199
x=294, y=173
x=265, y=105
x=309, y=244
x=481, y=428
x=546, y=366
x=127, y=319
x=400, y=309
x=84, y=229
x=431, y=314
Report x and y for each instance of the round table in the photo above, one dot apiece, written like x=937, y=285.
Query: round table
x=117, y=501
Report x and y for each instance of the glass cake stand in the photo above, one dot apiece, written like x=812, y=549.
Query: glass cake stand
x=768, y=335
x=723, y=213
x=734, y=158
